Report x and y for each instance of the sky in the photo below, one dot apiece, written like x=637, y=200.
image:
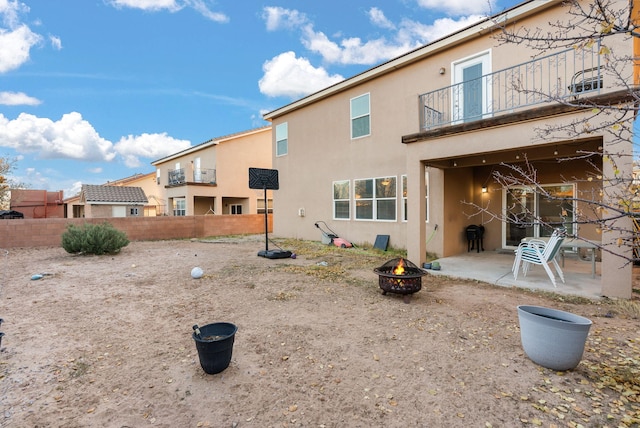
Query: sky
x=93, y=91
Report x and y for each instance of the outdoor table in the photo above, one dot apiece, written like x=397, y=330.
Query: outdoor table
x=570, y=243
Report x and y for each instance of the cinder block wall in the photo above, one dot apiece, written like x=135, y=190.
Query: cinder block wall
x=47, y=232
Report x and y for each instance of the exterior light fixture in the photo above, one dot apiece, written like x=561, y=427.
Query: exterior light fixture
x=442, y=70
x=484, y=189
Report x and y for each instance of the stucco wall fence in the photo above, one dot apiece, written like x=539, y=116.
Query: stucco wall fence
x=47, y=232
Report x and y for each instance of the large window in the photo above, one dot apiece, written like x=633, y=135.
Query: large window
x=405, y=199
x=179, y=207
x=341, y=200
x=261, y=206
x=375, y=198
x=282, y=139
x=360, y=116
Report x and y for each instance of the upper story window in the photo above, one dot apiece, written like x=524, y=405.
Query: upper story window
x=360, y=116
x=375, y=198
x=282, y=139
x=341, y=197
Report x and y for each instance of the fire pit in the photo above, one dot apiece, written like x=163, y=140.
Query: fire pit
x=400, y=276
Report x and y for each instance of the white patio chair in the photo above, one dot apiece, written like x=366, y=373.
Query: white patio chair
x=539, y=252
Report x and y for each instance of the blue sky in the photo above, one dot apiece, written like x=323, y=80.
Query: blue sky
x=95, y=90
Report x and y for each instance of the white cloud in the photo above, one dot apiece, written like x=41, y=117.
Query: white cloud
x=56, y=42
x=353, y=50
x=403, y=37
x=15, y=45
x=278, y=17
x=287, y=75
x=202, y=9
x=74, y=138
x=151, y=5
x=17, y=98
x=412, y=30
x=71, y=137
x=152, y=146
x=171, y=6
x=460, y=7
x=376, y=16
x=16, y=39
x=10, y=11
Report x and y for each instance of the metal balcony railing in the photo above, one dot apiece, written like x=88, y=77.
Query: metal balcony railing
x=561, y=75
x=198, y=175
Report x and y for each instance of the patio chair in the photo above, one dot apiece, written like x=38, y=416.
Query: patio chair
x=539, y=252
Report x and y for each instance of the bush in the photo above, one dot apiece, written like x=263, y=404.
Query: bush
x=93, y=239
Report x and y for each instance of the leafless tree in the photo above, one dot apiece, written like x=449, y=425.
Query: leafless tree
x=584, y=24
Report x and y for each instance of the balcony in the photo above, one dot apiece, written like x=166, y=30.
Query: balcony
x=565, y=75
x=202, y=175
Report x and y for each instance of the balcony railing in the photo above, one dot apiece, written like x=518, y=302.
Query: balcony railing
x=198, y=175
x=561, y=75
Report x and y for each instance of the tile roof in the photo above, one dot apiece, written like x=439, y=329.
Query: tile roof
x=113, y=194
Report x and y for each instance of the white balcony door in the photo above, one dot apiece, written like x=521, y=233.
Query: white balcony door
x=471, y=92
x=197, y=173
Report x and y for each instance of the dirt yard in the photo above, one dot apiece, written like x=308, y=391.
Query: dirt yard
x=107, y=341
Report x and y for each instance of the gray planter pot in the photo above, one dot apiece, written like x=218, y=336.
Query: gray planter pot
x=552, y=338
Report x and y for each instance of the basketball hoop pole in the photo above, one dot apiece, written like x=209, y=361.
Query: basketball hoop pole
x=266, y=221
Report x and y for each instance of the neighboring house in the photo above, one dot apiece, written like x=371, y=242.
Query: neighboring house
x=155, y=205
x=37, y=203
x=213, y=177
x=111, y=201
x=403, y=148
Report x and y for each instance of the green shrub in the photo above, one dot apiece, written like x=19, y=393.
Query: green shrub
x=93, y=239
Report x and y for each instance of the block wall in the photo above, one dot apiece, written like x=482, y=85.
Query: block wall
x=47, y=232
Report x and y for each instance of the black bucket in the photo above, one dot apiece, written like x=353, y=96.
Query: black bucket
x=215, y=346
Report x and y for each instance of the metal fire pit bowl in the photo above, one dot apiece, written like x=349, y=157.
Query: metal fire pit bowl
x=406, y=283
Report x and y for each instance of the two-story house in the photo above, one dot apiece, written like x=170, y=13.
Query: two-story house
x=213, y=177
x=410, y=148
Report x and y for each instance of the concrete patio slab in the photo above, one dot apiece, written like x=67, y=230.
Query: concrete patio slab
x=494, y=267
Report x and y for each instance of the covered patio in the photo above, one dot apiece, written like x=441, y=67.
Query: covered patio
x=494, y=267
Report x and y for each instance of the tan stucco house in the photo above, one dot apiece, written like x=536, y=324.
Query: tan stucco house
x=409, y=148
x=155, y=203
x=99, y=201
x=213, y=177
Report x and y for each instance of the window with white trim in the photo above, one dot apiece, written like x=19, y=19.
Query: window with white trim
x=426, y=195
x=179, y=207
x=261, y=206
x=282, y=139
x=404, y=198
x=360, y=116
x=236, y=209
x=341, y=200
x=376, y=198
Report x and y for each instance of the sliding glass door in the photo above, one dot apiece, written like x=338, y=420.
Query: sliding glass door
x=531, y=213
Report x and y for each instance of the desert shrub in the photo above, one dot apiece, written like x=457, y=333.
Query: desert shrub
x=93, y=239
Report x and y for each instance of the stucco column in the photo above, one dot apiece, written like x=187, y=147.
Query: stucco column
x=617, y=271
x=416, y=210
